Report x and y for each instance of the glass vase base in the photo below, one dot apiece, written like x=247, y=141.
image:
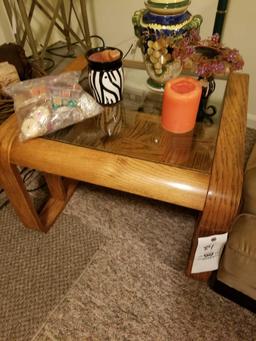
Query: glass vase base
x=153, y=85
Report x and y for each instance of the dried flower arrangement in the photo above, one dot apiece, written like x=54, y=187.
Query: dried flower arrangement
x=206, y=57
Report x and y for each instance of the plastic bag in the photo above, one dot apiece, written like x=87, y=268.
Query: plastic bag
x=44, y=105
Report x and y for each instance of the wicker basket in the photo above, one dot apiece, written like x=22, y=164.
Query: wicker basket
x=6, y=102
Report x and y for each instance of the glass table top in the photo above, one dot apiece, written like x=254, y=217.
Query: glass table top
x=133, y=128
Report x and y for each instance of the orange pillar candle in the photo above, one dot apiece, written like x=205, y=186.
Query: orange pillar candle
x=180, y=104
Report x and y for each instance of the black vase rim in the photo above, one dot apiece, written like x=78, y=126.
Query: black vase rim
x=104, y=65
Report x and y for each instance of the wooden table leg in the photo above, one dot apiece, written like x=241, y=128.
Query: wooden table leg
x=60, y=189
x=225, y=188
x=16, y=192
x=20, y=199
x=11, y=180
x=13, y=185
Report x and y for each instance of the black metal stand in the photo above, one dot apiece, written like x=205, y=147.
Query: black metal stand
x=206, y=112
x=220, y=16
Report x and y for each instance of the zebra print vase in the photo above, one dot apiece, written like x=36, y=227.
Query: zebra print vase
x=106, y=78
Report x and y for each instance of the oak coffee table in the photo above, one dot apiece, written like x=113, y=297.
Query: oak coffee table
x=125, y=148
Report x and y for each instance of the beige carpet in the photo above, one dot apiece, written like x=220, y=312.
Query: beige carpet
x=110, y=269
x=135, y=288
x=37, y=270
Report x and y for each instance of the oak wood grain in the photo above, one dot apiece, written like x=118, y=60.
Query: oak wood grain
x=11, y=180
x=171, y=184
x=54, y=206
x=133, y=64
x=55, y=185
x=78, y=64
x=225, y=187
x=216, y=193
x=141, y=136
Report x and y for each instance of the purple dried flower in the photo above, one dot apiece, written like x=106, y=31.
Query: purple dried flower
x=207, y=57
x=215, y=39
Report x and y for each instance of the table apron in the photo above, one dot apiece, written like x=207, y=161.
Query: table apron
x=174, y=185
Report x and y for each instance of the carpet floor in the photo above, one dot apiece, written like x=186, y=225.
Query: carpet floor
x=111, y=268
x=37, y=270
x=135, y=287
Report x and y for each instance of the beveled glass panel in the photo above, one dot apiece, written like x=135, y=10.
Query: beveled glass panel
x=133, y=128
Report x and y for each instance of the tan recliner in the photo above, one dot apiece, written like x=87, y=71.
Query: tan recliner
x=236, y=277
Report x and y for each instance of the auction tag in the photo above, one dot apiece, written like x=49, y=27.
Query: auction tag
x=208, y=253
